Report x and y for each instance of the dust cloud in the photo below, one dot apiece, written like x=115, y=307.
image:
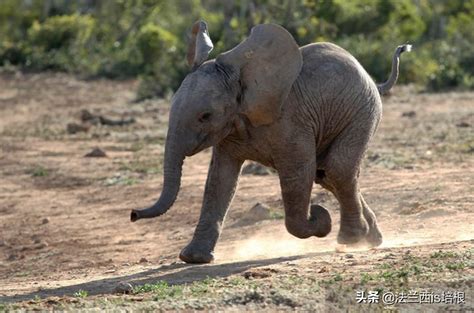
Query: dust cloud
x=279, y=243
x=274, y=245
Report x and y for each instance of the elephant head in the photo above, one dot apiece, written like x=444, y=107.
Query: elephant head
x=249, y=82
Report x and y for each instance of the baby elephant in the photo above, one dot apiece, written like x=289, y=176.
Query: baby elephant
x=307, y=112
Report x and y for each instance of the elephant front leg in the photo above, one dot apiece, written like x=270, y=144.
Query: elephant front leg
x=220, y=188
x=296, y=185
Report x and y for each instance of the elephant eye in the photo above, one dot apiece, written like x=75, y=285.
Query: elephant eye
x=205, y=117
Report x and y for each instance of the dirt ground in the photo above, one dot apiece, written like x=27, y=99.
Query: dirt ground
x=66, y=240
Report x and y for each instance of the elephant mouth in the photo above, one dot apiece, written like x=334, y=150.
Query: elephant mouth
x=203, y=144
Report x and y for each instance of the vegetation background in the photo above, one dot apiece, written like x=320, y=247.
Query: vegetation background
x=147, y=38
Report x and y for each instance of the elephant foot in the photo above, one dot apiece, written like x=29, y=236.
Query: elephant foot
x=374, y=238
x=352, y=233
x=321, y=215
x=194, y=255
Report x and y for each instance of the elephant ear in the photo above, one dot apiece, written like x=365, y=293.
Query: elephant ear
x=269, y=61
x=200, y=45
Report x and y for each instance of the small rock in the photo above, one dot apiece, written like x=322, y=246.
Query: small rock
x=256, y=169
x=259, y=273
x=323, y=269
x=2, y=243
x=96, y=153
x=13, y=257
x=349, y=256
x=463, y=125
x=389, y=256
x=87, y=116
x=123, y=288
x=257, y=213
x=52, y=300
x=110, y=122
x=73, y=128
x=373, y=157
x=45, y=221
x=143, y=260
x=409, y=114
x=41, y=245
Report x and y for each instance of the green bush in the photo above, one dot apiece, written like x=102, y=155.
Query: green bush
x=154, y=42
x=157, y=48
x=12, y=53
x=60, y=42
x=147, y=38
x=450, y=71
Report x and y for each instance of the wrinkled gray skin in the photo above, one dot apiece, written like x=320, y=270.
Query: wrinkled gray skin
x=307, y=112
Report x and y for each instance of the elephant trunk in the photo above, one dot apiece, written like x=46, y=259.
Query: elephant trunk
x=318, y=224
x=173, y=163
x=385, y=87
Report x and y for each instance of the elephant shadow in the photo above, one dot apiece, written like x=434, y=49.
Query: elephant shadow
x=173, y=274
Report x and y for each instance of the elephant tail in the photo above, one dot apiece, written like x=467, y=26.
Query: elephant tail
x=385, y=87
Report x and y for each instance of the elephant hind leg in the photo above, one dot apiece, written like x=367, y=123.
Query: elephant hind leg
x=341, y=176
x=374, y=237
x=354, y=226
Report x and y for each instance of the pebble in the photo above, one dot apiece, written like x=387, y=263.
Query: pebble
x=41, y=245
x=123, y=288
x=255, y=169
x=73, y=128
x=463, y=124
x=389, y=256
x=45, y=221
x=96, y=153
x=409, y=114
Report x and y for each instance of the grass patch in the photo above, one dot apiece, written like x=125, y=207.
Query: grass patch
x=277, y=214
x=39, y=171
x=456, y=266
x=137, y=146
x=393, y=160
x=337, y=277
x=121, y=181
x=163, y=290
x=417, y=268
x=443, y=254
x=160, y=290
x=81, y=294
x=366, y=277
x=143, y=166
